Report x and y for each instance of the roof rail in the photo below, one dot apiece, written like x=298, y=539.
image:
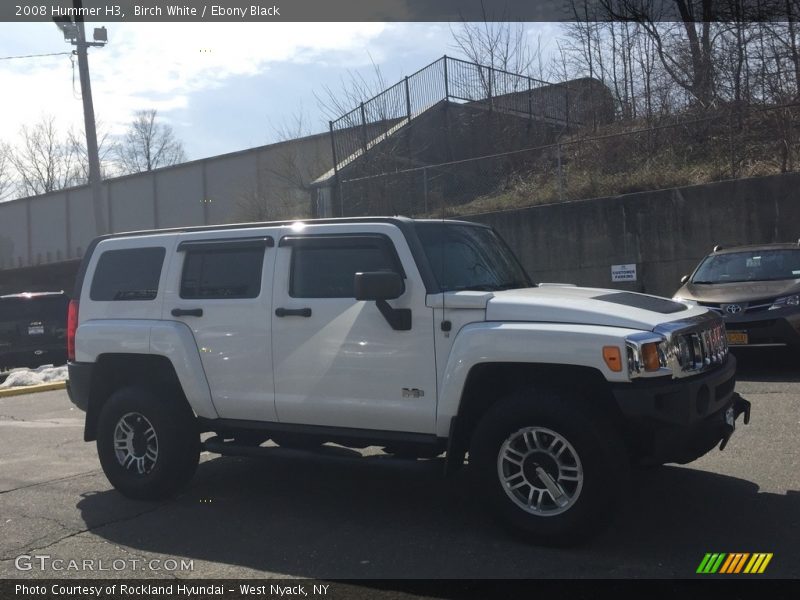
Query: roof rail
x=717, y=248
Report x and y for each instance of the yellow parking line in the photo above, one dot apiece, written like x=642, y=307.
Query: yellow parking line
x=32, y=389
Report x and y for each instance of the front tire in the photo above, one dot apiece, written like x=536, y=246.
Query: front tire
x=551, y=465
x=148, y=445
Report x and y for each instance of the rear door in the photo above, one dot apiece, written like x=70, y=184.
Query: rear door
x=220, y=287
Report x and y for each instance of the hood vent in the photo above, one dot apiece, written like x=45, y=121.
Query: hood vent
x=651, y=303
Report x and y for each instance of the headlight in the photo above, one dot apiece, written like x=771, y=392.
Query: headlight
x=647, y=353
x=683, y=352
x=785, y=302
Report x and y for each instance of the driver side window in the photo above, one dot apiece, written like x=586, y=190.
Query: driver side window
x=325, y=267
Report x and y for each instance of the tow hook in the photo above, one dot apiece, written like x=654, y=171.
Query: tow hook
x=739, y=406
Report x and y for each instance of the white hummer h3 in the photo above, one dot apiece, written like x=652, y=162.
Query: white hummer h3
x=424, y=337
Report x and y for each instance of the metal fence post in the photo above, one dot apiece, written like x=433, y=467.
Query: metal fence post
x=530, y=100
x=730, y=145
x=490, y=86
x=333, y=149
x=408, y=101
x=363, y=128
x=425, y=188
x=560, y=174
x=446, y=83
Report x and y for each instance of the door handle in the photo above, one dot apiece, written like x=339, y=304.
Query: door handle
x=292, y=312
x=187, y=312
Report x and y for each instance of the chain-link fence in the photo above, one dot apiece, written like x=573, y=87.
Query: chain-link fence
x=730, y=144
x=454, y=80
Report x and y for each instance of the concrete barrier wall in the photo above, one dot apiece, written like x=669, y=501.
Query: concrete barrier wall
x=57, y=227
x=665, y=233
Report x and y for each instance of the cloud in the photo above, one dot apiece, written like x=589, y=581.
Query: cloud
x=158, y=65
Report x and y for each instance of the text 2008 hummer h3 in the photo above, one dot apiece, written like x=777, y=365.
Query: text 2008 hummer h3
x=424, y=337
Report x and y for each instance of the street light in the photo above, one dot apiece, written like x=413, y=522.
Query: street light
x=75, y=34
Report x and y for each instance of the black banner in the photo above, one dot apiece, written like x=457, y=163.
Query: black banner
x=286, y=589
x=394, y=10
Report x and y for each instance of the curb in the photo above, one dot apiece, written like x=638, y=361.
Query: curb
x=32, y=389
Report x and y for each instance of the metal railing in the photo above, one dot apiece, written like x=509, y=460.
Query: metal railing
x=729, y=144
x=447, y=80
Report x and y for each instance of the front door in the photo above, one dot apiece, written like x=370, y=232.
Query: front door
x=337, y=361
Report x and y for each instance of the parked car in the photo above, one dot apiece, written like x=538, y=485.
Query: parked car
x=756, y=290
x=33, y=329
x=423, y=337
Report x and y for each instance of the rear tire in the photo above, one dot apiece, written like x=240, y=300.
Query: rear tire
x=552, y=466
x=148, y=445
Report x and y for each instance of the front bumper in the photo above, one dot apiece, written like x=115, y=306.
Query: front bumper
x=679, y=420
x=769, y=329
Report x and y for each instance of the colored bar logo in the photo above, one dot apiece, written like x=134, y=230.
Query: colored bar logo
x=737, y=562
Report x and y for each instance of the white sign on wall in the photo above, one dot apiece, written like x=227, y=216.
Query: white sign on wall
x=623, y=273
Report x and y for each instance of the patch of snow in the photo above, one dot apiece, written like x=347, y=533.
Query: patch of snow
x=26, y=377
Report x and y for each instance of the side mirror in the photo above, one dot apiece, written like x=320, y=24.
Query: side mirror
x=381, y=286
x=378, y=285
x=684, y=279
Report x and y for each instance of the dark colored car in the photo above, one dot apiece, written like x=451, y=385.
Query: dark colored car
x=33, y=329
x=756, y=289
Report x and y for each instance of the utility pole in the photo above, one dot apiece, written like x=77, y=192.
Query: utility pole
x=75, y=33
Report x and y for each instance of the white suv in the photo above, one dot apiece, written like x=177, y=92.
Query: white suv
x=423, y=337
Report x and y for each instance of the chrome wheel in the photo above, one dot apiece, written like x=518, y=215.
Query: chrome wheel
x=540, y=471
x=136, y=443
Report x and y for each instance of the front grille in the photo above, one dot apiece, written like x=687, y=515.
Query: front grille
x=695, y=345
x=755, y=306
x=707, y=346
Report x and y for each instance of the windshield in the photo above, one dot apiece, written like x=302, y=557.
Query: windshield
x=756, y=265
x=466, y=257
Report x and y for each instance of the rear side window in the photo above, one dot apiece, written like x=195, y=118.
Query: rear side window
x=222, y=273
x=326, y=267
x=131, y=274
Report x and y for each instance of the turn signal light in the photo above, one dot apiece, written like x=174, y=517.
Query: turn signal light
x=613, y=358
x=650, y=357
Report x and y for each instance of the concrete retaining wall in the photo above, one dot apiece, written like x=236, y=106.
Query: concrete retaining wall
x=249, y=185
x=665, y=233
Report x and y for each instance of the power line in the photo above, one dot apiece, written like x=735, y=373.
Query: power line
x=35, y=55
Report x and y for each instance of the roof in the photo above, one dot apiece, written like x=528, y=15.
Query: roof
x=757, y=247
x=398, y=220
x=29, y=295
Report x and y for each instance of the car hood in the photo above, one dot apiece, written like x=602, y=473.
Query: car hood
x=744, y=291
x=589, y=306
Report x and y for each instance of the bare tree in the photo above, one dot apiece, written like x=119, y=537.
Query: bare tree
x=44, y=161
x=6, y=177
x=496, y=43
x=105, y=149
x=353, y=90
x=282, y=188
x=148, y=144
x=684, y=48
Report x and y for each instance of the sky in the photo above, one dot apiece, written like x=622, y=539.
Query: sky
x=223, y=87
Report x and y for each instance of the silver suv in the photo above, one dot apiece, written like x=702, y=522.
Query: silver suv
x=756, y=289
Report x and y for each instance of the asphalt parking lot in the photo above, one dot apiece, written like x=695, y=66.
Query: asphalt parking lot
x=340, y=514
